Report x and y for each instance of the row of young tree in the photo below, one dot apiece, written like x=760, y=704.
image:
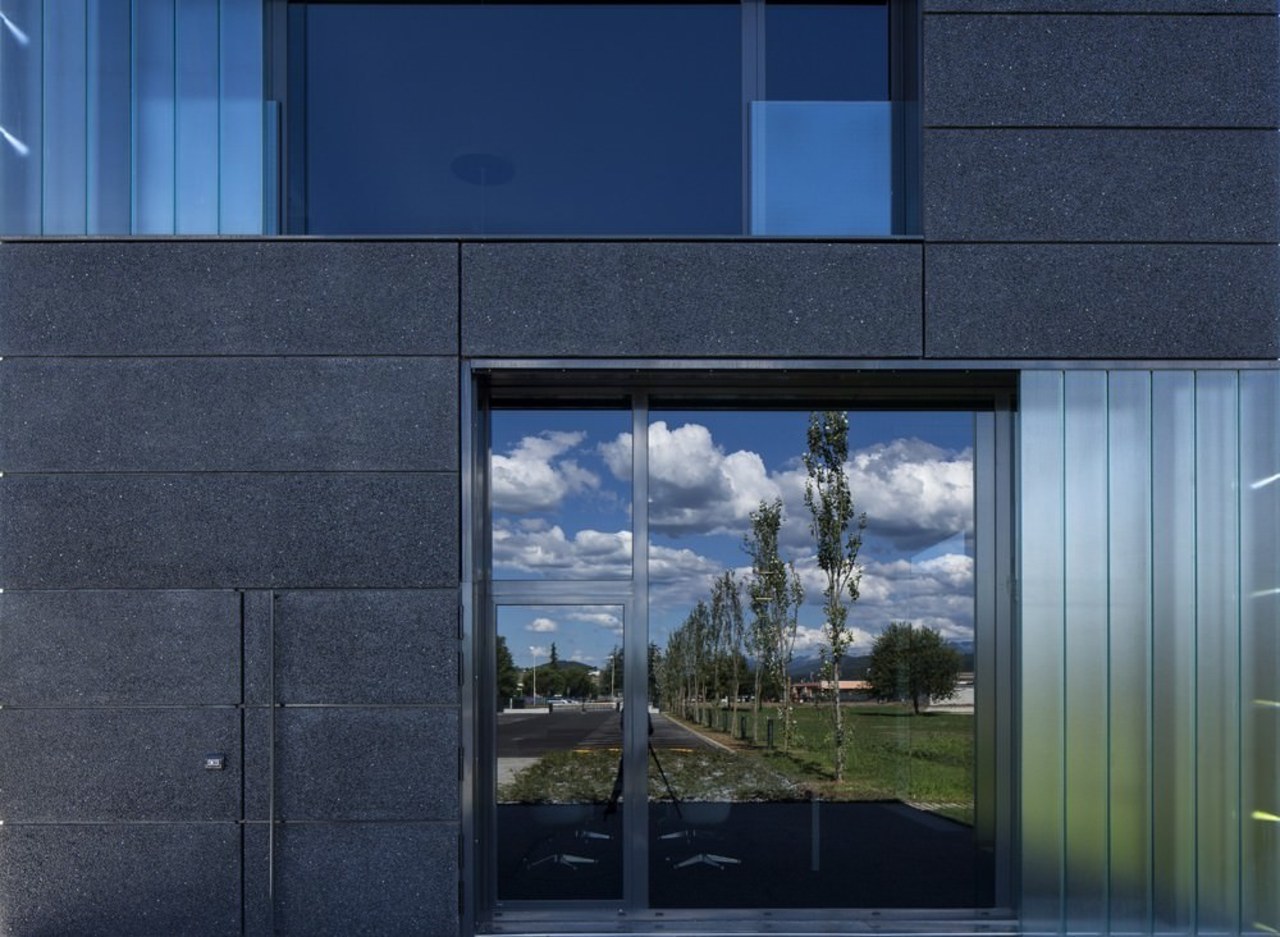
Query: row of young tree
x=721, y=649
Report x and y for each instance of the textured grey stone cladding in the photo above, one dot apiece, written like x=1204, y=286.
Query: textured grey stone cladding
x=691, y=299
x=118, y=764
x=237, y=530
x=1101, y=185
x=1227, y=7
x=367, y=647
x=228, y=298
x=119, y=647
x=338, y=763
x=1154, y=71
x=115, y=880
x=257, y=762
x=339, y=880
x=1103, y=301
x=228, y=414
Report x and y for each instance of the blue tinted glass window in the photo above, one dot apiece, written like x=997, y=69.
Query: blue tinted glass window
x=584, y=118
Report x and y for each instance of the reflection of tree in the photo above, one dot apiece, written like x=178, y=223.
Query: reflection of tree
x=912, y=663
x=837, y=528
x=776, y=595
x=508, y=673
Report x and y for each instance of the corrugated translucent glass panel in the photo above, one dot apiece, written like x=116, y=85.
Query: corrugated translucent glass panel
x=1150, y=545
x=131, y=116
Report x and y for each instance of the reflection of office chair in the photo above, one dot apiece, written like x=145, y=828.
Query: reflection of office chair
x=570, y=831
x=699, y=817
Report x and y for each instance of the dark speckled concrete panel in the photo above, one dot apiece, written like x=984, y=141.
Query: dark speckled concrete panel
x=228, y=297
x=211, y=531
x=1228, y=7
x=1104, y=301
x=228, y=414
x=110, y=881
x=1065, y=71
x=367, y=647
x=118, y=764
x=122, y=647
x=358, y=879
x=1102, y=185
x=366, y=764
x=691, y=299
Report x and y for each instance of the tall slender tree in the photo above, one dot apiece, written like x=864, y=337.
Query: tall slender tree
x=727, y=627
x=776, y=595
x=837, y=529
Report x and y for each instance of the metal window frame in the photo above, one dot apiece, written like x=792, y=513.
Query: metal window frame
x=633, y=385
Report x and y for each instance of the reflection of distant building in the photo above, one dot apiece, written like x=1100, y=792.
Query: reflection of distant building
x=810, y=690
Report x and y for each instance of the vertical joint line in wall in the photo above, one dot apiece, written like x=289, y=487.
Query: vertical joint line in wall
x=271, y=763
x=924, y=316
x=244, y=721
x=457, y=306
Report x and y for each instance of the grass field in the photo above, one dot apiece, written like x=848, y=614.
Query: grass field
x=891, y=754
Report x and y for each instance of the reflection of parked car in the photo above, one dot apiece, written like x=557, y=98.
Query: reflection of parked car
x=557, y=701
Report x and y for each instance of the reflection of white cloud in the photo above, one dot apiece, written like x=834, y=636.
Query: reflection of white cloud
x=538, y=650
x=589, y=554
x=542, y=625
x=694, y=486
x=605, y=620
x=532, y=477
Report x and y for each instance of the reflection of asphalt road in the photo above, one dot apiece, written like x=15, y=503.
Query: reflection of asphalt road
x=531, y=734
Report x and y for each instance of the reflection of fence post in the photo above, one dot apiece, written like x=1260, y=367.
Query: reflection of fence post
x=742, y=727
x=768, y=734
x=724, y=721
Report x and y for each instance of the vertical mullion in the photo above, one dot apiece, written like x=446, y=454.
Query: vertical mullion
x=635, y=815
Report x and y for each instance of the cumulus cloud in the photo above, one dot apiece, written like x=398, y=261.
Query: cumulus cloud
x=695, y=487
x=533, y=477
x=542, y=626
x=547, y=550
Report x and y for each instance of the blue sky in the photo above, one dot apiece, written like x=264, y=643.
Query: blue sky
x=561, y=509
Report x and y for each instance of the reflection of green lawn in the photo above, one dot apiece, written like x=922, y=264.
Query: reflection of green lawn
x=892, y=754
x=588, y=777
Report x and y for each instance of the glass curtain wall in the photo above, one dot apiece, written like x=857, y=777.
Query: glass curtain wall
x=132, y=117
x=1150, y=652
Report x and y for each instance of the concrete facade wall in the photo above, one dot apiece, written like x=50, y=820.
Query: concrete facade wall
x=231, y=468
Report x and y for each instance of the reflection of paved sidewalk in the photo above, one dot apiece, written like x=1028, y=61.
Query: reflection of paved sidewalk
x=508, y=768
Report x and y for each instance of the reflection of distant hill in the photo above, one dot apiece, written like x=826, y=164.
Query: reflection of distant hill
x=855, y=665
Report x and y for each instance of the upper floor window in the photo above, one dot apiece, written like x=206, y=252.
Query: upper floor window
x=759, y=117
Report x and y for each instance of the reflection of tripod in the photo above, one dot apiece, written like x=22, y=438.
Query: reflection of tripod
x=616, y=794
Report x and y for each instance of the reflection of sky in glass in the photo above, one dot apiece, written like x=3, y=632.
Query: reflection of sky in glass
x=580, y=118
x=584, y=634
x=561, y=509
x=559, y=512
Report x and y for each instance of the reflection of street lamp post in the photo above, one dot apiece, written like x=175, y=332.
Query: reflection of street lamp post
x=535, y=675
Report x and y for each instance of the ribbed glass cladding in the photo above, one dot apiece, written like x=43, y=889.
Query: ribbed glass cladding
x=132, y=117
x=714, y=118
x=1150, y=649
